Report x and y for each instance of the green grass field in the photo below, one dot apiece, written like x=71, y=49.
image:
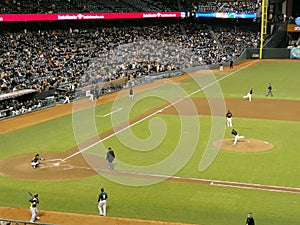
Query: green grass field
x=170, y=200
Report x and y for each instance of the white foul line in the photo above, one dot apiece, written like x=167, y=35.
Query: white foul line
x=220, y=183
x=284, y=189
x=109, y=136
x=158, y=111
x=117, y=110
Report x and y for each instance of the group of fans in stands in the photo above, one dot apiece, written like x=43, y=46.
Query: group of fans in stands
x=243, y=6
x=68, y=59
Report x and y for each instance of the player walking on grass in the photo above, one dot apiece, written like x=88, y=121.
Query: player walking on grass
x=229, y=118
x=236, y=136
x=33, y=207
x=270, y=92
x=102, y=202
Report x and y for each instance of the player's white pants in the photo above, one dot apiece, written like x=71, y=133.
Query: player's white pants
x=249, y=96
x=102, y=207
x=67, y=100
x=91, y=97
x=236, y=137
x=131, y=98
x=229, y=122
x=34, y=213
x=35, y=164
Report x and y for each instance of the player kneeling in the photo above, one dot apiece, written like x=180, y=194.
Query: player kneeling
x=35, y=161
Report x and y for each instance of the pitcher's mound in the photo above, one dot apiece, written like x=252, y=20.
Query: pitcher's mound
x=244, y=145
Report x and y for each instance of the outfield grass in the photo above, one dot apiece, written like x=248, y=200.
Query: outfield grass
x=283, y=76
x=171, y=201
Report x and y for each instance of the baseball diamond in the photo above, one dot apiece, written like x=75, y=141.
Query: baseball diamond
x=55, y=168
x=149, y=112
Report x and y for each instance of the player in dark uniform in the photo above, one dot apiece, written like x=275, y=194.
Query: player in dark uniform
x=229, y=118
x=270, y=92
x=231, y=64
x=250, y=220
x=35, y=161
x=110, y=157
x=33, y=207
x=102, y=202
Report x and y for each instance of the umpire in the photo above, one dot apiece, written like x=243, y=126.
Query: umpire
x=110, y=157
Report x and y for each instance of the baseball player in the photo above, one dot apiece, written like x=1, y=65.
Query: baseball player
x=250, y=220
x=229, y=118
x=67, y=99
x=269, y=90
x=131, y=95
x=249, y=95
x=35, y=161
x=236, y=136
x=231, y=64
x=221, y=66
x=33, y=207
x=91, y=98
x=102, y=202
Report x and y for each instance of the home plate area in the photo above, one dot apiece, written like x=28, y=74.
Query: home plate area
x=60, y=165
x=244, y=145
x=52, y=168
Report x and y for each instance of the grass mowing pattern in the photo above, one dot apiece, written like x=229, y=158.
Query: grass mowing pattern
x=171, y=201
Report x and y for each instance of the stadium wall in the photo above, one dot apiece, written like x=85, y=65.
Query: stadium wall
x=268, y=53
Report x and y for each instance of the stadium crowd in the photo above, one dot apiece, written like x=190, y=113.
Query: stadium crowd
x=73, y=58
x=51, y=59
x=225, y=6
x=65, y=60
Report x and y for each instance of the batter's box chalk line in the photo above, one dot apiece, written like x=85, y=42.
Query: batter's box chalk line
x=47, y=163
x=70, y=167
x=62, y=165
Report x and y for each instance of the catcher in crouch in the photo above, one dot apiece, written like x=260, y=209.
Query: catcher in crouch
x=35, y=161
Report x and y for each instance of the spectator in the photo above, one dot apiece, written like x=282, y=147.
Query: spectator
x=65, y=60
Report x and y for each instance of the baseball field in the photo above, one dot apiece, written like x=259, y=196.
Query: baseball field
x=175, y=162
